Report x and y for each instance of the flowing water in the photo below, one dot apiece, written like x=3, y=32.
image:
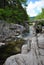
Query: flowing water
x=30, y=54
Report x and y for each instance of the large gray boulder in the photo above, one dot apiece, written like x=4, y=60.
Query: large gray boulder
x=8, y=31
x=33, y=57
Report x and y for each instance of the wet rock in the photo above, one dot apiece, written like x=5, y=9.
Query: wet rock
x=9, y=30
x=41, y=41
x=24, y=49
x=32, y=57
x=2, y=43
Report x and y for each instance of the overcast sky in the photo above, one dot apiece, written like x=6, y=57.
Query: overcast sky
x=34, y=7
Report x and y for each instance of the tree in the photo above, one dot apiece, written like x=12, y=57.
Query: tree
x=3, y=3
x=40, y=15
x=14, y=12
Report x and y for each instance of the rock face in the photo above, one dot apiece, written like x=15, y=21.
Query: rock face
x=33, y=57
x=20, y=59
x=9, y=31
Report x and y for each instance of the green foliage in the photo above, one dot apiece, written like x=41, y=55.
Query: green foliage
x=41, y=15
x=41, y=23
x=14, y=13
x=23, y=0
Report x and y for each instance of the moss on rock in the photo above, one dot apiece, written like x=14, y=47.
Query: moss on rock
x=9, y=49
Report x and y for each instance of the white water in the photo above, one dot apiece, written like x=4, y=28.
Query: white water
x=29, y=53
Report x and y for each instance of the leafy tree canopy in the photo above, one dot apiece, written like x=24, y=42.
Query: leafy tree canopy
x=40, y=15
x=14, y=12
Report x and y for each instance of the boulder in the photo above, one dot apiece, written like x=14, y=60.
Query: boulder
x=9, y=30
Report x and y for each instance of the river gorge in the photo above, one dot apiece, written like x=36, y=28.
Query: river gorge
x=31, y=53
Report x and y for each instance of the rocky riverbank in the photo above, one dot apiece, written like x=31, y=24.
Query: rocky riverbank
x=34, y=56
x=31, y=54
x=10, y=44
x=10, y=48
x=9, y=31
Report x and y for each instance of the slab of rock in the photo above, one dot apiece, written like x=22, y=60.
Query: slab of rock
x=41, y=41
x=8, y=30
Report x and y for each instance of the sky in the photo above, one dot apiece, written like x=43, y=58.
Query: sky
x=34, y=7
